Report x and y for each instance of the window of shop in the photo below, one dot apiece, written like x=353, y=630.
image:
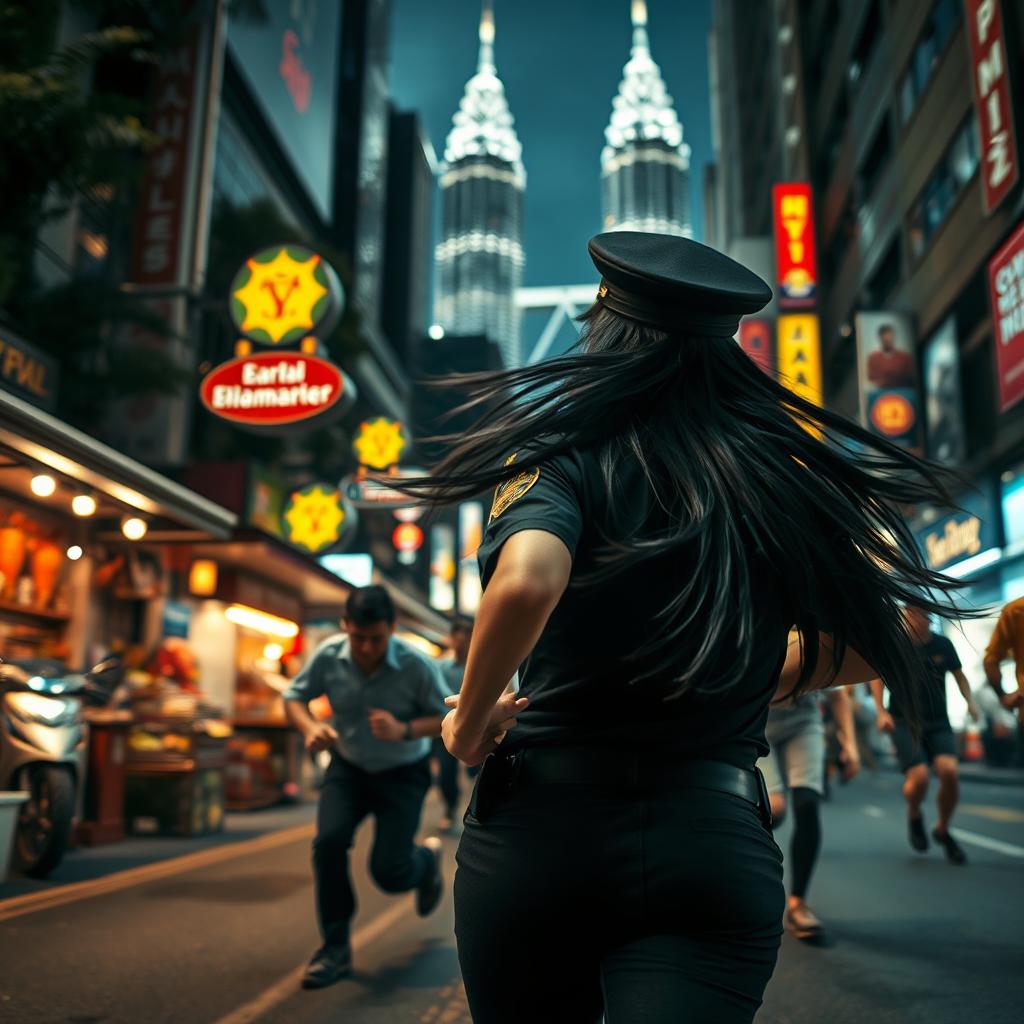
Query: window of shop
x=866, y=45
x=878, y=158
x=940, y=26
x=955, y=169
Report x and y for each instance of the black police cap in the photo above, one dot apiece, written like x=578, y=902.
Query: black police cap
x=674, y=283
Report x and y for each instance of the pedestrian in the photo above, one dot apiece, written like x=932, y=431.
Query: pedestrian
x=661, y=519
x=796, y=764
x=935, y=745
x=452, y=668
x=387, y=699
x=1007, y=641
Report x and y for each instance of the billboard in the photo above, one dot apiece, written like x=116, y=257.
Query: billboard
x=1006, y=286
x=993, y=100
x=799, y=355
x=287, y=53
x=796, y=267
x=756, y=340
x=887, y=377
x=943, y=400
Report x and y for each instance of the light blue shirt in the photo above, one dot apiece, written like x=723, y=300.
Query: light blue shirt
x=407, y=683
x=453, y=673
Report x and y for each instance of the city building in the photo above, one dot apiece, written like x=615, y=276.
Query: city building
x=480, y=255
x=408, y=253
x=905, y=120
x=645, y=164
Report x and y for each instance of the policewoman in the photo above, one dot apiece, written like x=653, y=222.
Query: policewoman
x=664, y=515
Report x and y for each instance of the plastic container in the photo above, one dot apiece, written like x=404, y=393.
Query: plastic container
x=10, y=807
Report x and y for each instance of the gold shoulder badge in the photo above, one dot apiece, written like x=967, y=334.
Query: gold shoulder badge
x=512, y=490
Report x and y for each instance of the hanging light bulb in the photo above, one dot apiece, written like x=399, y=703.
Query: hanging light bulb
x=134, y=528
x=43, y=485
x=83, y=504
x=74, y=552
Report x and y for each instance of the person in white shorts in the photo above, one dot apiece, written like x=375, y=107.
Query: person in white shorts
x=796, y=764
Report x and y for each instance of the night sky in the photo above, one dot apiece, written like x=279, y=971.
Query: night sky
x=561, y=62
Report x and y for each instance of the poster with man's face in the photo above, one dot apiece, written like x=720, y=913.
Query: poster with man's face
x=944, y=417
x=887, y=374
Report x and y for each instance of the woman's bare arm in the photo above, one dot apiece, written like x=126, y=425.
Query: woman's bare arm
x=854, y=669
x=528, y=582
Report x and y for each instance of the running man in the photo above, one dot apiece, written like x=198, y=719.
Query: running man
x=937, y=745
x=796, y=763
x=452, y=669
x=388, y=701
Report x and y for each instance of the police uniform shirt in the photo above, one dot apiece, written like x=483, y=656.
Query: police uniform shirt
x=579, y=678
x=939, y=656
x=407, y=683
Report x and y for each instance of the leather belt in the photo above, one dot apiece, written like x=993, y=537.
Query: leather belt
x=630, y=768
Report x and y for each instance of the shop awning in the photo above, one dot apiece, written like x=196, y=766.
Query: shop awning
x=323, y=593
x=44, y=441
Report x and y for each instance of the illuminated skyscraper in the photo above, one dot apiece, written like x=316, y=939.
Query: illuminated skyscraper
x=645, y=165
x=480, y=255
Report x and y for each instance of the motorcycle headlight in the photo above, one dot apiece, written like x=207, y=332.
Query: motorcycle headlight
x=30, y=708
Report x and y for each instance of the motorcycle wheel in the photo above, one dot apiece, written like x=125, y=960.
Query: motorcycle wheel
x=44, y=825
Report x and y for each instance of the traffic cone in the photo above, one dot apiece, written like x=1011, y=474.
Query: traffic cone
x=973, y=749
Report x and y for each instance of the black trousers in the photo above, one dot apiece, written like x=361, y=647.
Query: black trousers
x=395, y=799
x=650, y=905
x=447, y=776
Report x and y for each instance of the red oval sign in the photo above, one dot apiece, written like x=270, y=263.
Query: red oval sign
x=271, y=389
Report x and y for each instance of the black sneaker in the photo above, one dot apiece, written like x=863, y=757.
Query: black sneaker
x=954, y=852
x=430, y=890
x=917, y=835
x=329, y=964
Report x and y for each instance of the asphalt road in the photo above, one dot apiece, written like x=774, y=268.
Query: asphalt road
x=220, y=938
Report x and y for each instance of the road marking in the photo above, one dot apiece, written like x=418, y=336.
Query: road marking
x=1010, y=849
x=32, y=902
x=288, y=985
x=874, y=812
x=994, y=812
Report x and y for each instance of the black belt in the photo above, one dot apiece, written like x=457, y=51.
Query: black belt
x=631, y=768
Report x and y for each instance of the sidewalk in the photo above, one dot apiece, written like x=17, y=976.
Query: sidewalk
x=86, y=863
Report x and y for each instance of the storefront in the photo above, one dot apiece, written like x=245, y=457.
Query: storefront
x=982, y=544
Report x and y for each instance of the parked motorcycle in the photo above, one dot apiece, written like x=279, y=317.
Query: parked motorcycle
x=43, y=750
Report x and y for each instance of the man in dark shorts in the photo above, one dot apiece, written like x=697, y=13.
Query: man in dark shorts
x=936, y=745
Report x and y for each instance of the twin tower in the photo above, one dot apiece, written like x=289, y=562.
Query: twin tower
x=644, y=176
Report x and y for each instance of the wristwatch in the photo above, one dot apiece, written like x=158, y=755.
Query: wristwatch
x=408, y=731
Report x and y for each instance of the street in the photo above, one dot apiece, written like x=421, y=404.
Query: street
x=222, y=941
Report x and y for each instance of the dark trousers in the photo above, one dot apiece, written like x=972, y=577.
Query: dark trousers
x=395, y=799
x=447, y=776
x=651, y=906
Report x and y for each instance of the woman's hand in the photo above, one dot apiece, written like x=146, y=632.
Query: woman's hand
x=471, y=750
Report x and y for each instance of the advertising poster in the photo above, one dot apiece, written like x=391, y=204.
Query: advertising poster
x=471, y=530
x=943, y=400
x=1006, y=284
x=755, y=339
x=799, y=355
x=442, y=567
x=887, y=377
x=796, y=267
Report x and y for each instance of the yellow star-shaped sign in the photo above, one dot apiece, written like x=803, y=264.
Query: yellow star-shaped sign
x=380, y=443
x=314, y=517
x=279, y=297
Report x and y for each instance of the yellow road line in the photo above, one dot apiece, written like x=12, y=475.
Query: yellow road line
x=33, y=902
x=994, y=813
x=288, y=985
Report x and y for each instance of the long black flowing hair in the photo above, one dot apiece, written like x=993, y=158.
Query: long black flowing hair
x=736, y=463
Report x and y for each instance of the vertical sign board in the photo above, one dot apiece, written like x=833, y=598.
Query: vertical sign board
x=153, y=427
x=887, y=377
x=943, y=400
x=756, y=340
x=796, y=268
x=1006, y=283
x=442, y=567
x=471, y=532
x=799, y=355
x=990, y=76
